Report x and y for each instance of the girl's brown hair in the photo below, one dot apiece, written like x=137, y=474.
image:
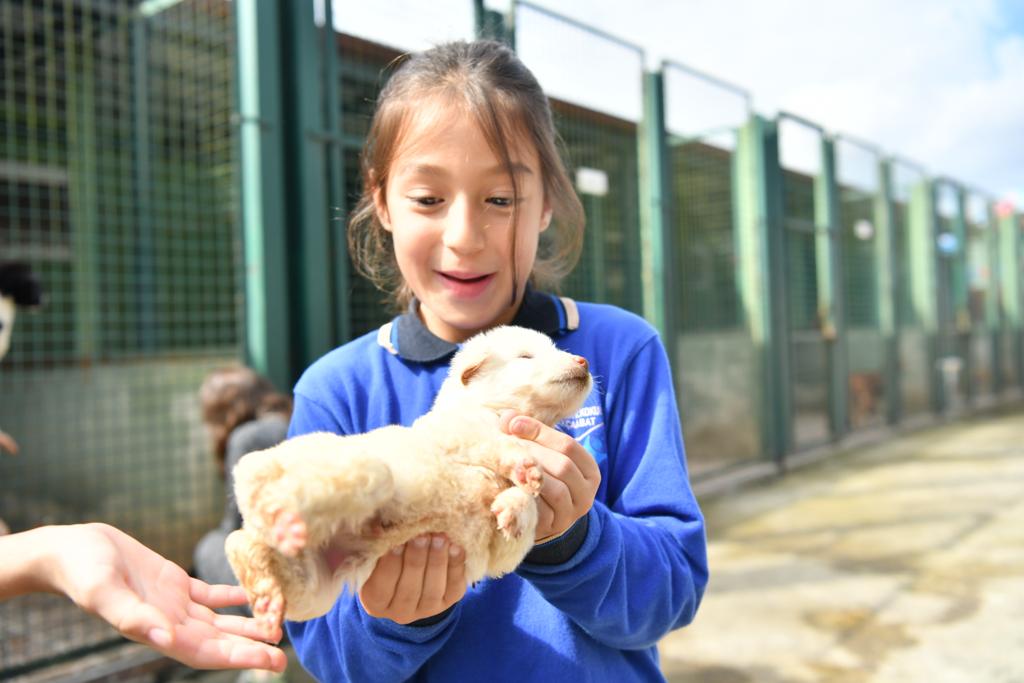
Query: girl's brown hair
x=492, y=85
x=234, y=395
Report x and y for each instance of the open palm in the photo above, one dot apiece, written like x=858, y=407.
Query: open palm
x=151, y=600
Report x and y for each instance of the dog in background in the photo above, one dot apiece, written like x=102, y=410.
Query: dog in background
x=320, y=509
x=866, y=389
x=18, y=287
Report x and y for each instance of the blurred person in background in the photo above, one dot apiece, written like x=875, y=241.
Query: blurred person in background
x=243, y=412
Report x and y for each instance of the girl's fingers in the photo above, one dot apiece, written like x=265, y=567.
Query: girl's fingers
x=379, y=589
x=455, y=587
x=435, y=577
x=410, y=583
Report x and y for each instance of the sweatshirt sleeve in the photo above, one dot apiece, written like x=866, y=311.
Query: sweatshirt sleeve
x=641, y=569
x=347, y=644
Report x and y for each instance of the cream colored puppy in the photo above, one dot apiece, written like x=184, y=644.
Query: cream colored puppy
x=320, y=509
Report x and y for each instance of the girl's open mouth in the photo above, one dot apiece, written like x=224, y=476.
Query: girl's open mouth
x=466, y=285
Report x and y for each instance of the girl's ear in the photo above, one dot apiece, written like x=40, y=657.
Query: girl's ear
x=545, y=216
x=380, y=205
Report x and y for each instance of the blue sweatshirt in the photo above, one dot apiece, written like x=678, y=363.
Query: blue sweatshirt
x=589, y=606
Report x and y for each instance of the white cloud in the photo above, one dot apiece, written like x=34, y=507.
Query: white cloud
x=937, y=81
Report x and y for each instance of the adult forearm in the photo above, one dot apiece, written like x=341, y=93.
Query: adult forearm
x=27, y=561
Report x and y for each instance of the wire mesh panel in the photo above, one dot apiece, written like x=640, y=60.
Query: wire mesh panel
x=980, y=296
x=800, y=159
x=913, y=338
x=596, y=111
x=371, y=39
x=718, y=362
x=858, y=187
x=363, y=70
x=117, y=186
x=952, y=328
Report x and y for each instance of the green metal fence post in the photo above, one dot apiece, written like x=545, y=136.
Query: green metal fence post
x=142, y=175
x=830, y=282
x=261, y=124
x=309, y=143
x=923, y=278
x=994, y=318
x=656, y=237
x=885, y=248
x=338, y=202
x=82, y=183
x=493, y=25
x=959, y=293
x=760, y=256
x=1012, y=284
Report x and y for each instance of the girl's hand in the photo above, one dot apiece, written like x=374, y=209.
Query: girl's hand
x=151, y=600
x=571, y=474
x=417, y=580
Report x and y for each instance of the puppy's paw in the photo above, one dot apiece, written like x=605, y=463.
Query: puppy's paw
x=267, y=604
x=512, y=514
x=528, y=476
x=289, y=533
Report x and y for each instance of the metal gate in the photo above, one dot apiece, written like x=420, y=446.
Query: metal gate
x=862, y=230
x=807, y=243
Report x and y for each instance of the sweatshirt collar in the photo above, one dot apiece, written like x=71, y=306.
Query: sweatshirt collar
x=407, y=337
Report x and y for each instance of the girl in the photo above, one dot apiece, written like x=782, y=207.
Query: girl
x=467, y=214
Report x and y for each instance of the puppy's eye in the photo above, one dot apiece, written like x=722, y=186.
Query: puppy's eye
x=526, y=355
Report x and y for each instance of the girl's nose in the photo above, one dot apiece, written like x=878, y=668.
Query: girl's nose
x=463, y=230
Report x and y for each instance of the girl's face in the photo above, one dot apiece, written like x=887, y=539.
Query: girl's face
x=448, y=207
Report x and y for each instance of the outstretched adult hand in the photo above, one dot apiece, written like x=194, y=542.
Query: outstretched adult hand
x=145, y=596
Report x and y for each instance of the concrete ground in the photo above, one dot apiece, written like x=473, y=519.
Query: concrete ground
x=900, y=562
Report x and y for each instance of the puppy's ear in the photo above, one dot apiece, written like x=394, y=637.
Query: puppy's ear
x=471, y=371
x=471, y=363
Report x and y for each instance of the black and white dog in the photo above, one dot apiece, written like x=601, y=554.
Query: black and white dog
x=18, y=287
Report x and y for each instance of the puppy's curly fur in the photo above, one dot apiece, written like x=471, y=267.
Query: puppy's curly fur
x=320, y=509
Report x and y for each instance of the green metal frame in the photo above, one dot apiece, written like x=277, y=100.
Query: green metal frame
x=656, y=237
x=757, y=188
x=993, y=312
x=262, y=170
x=924, y=278
x=830, y=283
x=494, y=25
x=885, y=250
x=960, y=291
x=313, y=154
x=1012, y=285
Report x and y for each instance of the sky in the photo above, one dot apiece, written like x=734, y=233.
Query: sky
x=937, y=82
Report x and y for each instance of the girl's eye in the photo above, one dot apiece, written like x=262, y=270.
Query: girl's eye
x=426, y=201
x=502, y=202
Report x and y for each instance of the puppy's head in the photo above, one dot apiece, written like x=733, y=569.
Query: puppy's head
x=512, y=367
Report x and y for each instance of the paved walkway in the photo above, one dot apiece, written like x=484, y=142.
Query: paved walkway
x=901, y=562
